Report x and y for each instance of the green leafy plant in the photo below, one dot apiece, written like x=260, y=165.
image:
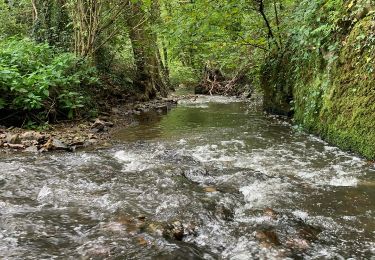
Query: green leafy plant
x=36, y=77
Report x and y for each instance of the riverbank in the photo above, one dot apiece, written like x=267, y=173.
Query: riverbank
x=94, y=133
x=328, y=88
x=80, y=134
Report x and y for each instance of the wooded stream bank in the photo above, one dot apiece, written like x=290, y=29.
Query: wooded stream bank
x=329, y=88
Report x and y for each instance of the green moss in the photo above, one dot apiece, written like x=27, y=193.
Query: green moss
x=335, y=100
x=348, y=112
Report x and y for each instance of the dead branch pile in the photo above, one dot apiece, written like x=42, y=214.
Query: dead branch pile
x=215, y=83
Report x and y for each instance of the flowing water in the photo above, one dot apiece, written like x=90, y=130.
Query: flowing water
x=213, y=179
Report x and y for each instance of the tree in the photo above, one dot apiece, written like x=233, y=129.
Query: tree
x=148, y=77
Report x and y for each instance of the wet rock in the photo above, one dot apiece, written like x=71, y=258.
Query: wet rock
x=308, y=232
x=162, y=108
x=59, y=145
x=31, y=149
x=13, y=139
x=297, y=244
x=174, y=230
x=98, y=126
x=270, y=213
x=142, y=241
x=224, y=213
x=55, y=144
x=196, y=175
x=98, y=252
x=43, y=150
x=177, y=231
x=210, y=189
x=131, y=225
x=101, y=125
x=267, y=238
x=90, y=142
x=155, y=229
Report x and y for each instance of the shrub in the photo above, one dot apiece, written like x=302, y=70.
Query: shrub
x=38, y=79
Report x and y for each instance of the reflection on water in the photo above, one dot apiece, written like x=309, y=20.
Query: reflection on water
x=213, y=179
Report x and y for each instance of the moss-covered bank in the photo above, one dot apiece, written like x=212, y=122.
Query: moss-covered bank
x=329, y=87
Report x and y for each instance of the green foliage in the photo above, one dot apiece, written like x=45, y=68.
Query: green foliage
x=328, y=67
x=181, y=74
x=36, y=77
x=206, y=31
x=13, y=17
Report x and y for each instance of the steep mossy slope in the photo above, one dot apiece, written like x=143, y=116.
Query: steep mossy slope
x=328, y=82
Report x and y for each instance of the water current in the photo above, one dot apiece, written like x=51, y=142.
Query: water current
x=215, y=178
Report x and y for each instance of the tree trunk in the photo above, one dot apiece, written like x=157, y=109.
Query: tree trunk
x=262, y=12
x=148, y=78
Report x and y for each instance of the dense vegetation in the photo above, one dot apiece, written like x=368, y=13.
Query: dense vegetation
x=325, y=77
x=312, y=59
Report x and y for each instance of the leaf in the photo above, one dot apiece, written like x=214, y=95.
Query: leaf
x=46, y=92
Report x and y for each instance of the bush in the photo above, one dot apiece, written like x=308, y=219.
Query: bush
x=38, y=79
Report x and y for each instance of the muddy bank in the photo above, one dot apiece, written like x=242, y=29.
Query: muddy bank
x=73, y=135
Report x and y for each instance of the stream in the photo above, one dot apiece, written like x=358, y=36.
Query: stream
x=214, y=178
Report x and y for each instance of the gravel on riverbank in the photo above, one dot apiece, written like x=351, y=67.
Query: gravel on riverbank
x=73, y=135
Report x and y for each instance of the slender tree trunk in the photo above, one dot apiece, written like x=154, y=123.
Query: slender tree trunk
x=163, y=62
x=148, y=77
x=35, y=11
x=277, y=20
x=165, y=58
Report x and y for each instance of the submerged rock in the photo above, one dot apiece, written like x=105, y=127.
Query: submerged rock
x=270, y=213
x=174, y=230
x=224, y=213
x=308, y=232
x=297, y=244
x=210, y=189
x=267, y=238
x=178, y=231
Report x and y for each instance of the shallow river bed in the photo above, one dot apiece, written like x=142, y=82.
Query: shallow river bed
x=213, y=179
